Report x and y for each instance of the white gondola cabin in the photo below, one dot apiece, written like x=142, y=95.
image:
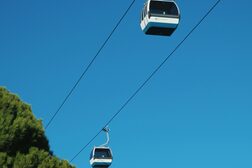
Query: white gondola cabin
x=160, y=17
x=101, y=157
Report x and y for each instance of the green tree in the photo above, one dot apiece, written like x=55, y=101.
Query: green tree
x=23, y=143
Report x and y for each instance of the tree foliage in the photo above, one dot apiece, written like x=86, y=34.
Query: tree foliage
x=23, y=143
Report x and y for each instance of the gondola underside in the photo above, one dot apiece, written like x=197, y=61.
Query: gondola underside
x=153, y=28
x=100, y=162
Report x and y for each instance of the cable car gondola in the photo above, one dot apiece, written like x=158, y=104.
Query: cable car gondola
x=101, y=157
x=160, y=17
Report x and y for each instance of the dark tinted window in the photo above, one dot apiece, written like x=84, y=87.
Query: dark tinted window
x=142, y=15
x=163, y=8
x=102, y=153
x=91, y=154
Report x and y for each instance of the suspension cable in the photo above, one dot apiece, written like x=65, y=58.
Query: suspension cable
x=89, y=65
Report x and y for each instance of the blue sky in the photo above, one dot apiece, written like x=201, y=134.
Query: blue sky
x=196, y=111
